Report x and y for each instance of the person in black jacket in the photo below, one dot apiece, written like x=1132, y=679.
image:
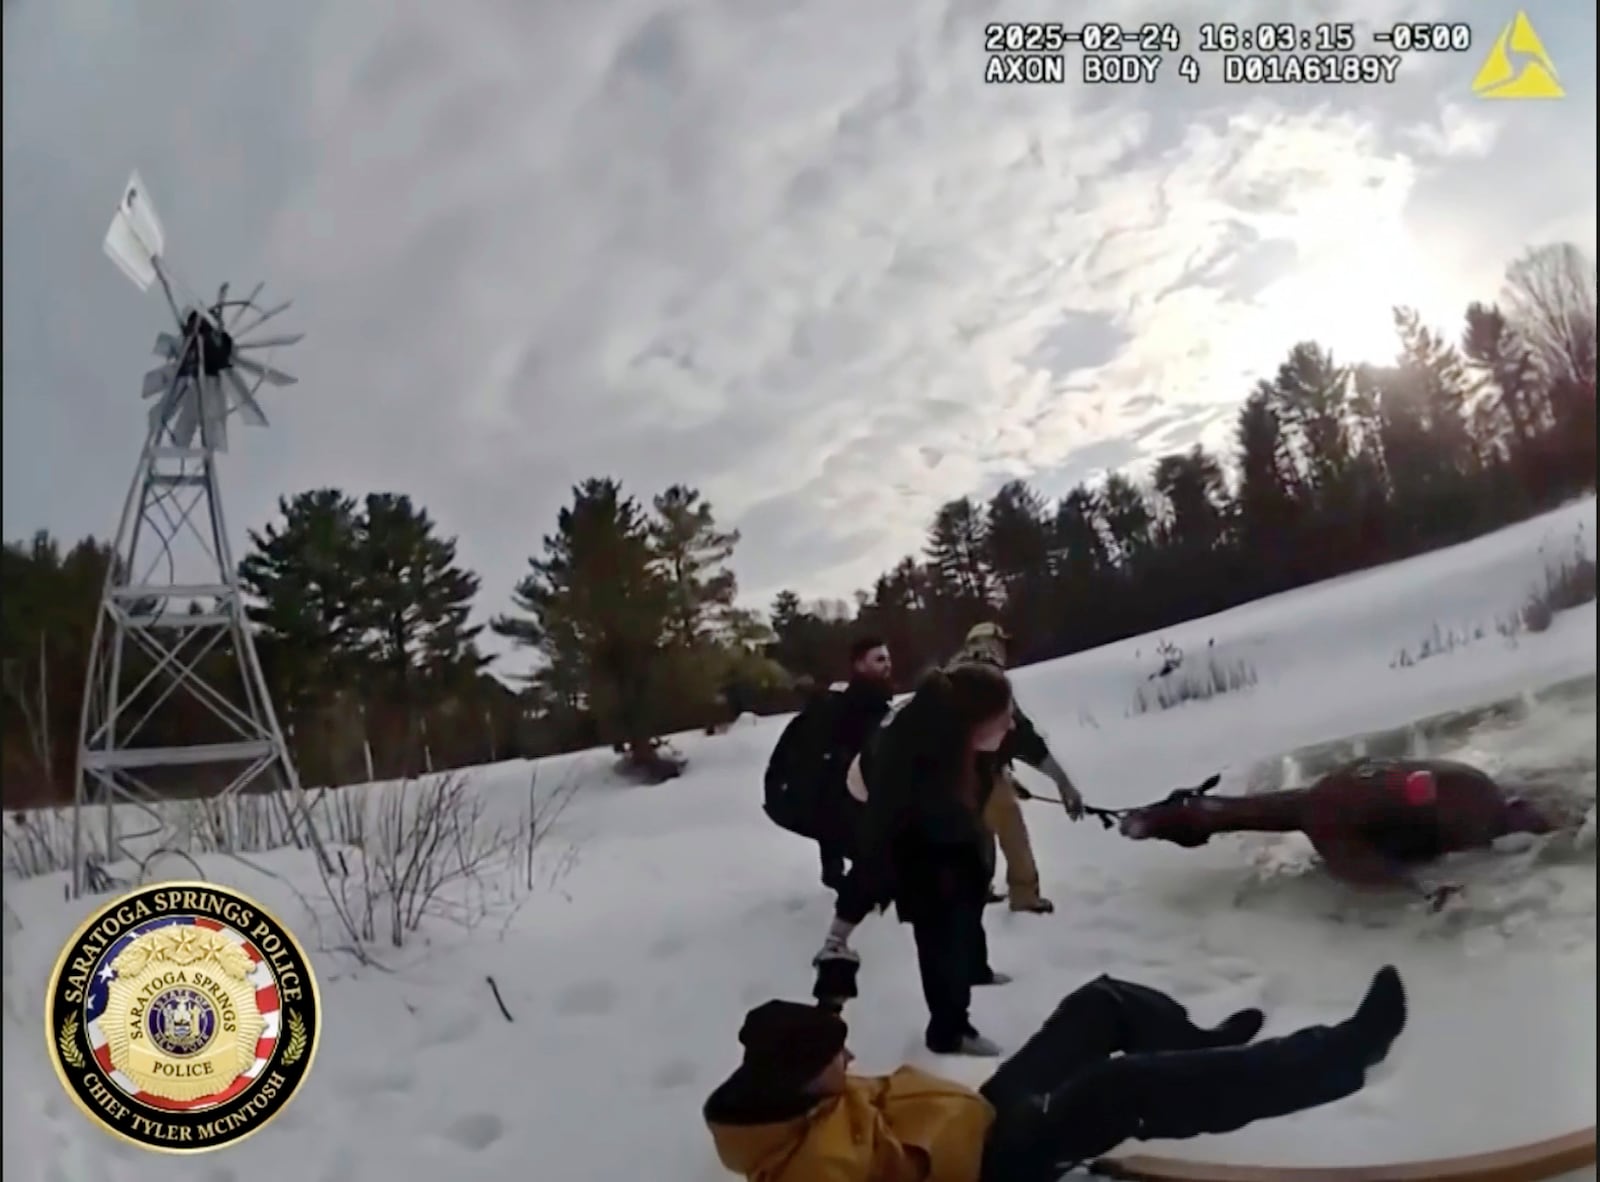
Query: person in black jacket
x=805, y=778
x=987, y=643
x=929, y=772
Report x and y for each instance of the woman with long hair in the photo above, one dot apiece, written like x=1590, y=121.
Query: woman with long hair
x=923, y=846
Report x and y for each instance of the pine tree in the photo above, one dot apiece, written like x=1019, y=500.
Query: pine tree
x=1017, y=548
x=598, y=611
x=1195, y=492
x=1128, y=522
x=302, y=573
x=47, y=621
x=1269, y=508
x=959, y=579
x=1078, y=539
x=1311, y=394
x=412, y=601
x=1510, y=378
x=1016, y=538
x=694, y=554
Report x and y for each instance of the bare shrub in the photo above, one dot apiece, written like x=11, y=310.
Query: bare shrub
x=1171, y=659
x=39, y=841
x=426, y=851
x=1567, y=582
x=1437, y=642
x=1213, y=678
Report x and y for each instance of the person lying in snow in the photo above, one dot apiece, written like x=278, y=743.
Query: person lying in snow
x=1373, y=822
x=792, y=1112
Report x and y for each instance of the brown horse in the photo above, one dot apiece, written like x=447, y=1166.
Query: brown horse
x=1374, y=822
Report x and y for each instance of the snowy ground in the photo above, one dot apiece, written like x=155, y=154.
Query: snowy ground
x=668, y=911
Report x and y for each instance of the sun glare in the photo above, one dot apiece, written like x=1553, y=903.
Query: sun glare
x=1348, y=306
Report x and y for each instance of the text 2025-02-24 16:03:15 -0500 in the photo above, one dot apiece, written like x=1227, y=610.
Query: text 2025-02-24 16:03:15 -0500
x=1278, y=52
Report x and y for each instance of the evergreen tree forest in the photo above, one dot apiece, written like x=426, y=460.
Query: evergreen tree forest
x=630, y=607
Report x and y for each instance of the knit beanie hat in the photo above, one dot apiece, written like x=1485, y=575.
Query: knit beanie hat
x=985, y=644
x=787, y=1044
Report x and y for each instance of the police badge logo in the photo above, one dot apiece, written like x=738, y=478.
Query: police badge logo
x=182, y=1017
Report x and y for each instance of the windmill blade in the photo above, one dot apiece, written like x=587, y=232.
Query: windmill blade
x=187, y=420
x=273, y=377
x=159, y=380
x=214, y=413
x=249, y=302
x=168, y=345
x=263, y=318
x=277, y=342
x=244, y=399
x=158, y=411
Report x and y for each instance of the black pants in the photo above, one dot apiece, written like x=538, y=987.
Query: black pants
x=952, y=957
x=833, y=855
x=1063, y=1099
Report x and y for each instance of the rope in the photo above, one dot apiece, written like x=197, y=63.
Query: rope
x=1106, y=817
x=1109, y=818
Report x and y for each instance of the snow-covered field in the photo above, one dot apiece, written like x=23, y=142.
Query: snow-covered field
x=666, y=912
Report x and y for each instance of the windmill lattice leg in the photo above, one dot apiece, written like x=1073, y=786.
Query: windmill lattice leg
x=175, y=700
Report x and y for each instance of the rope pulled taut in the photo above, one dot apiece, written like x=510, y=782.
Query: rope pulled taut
x=1109, y=818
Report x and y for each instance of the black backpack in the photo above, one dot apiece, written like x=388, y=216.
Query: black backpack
x=807, y=769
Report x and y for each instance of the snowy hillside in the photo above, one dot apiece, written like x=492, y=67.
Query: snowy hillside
x=660, y=914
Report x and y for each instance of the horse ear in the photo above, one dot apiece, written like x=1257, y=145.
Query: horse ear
x=1211, y=782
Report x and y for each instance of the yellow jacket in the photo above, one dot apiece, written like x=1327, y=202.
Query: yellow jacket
x=905, y=1127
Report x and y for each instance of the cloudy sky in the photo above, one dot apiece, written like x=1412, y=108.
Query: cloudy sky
x=793, y=252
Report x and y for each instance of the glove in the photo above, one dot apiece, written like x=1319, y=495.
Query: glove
x=836, y=983
x=835, y=949
x=837, y=945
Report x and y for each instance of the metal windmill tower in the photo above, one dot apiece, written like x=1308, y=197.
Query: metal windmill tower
x=174, y=685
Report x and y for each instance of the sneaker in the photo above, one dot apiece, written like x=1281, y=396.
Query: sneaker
x=973, y=1045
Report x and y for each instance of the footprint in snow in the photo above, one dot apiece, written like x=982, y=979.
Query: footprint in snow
x=475, y=1131
x=592, y=998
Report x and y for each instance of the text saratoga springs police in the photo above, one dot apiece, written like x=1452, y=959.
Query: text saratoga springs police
x=186, y=901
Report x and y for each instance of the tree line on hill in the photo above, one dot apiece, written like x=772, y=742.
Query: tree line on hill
x=363, y=610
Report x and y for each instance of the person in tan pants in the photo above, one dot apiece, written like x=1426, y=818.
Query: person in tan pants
x=1003, y=814
x=1009, y=830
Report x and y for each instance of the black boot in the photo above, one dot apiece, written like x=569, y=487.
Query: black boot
x=1380, y=1017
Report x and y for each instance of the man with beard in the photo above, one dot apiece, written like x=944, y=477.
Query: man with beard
x=805, y=780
